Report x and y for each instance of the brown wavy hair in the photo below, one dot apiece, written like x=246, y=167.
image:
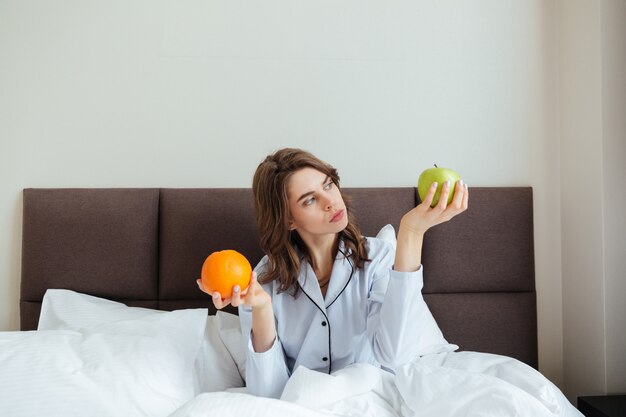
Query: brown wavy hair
x=281, y=245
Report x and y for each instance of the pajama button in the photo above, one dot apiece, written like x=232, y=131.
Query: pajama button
x=324, y=358
x=323, y=323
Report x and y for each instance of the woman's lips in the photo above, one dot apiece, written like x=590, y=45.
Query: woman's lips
x=338, y=216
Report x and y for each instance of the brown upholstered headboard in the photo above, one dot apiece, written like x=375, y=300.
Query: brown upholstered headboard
x=145, y=247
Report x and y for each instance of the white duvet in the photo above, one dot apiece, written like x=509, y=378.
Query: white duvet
x=100, y=358
x=447, y=384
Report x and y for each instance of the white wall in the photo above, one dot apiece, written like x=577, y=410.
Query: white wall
x=137, y=93
x=592, y=46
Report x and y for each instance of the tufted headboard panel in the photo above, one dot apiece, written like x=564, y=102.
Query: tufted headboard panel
x=145, y=247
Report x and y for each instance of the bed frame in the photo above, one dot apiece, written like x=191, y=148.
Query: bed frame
x=145, y=247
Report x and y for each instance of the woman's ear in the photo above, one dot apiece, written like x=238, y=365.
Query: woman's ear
x=291, y=225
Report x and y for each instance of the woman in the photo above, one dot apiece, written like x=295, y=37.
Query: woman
x=327, y=297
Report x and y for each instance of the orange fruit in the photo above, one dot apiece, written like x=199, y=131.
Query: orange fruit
x=223, y=269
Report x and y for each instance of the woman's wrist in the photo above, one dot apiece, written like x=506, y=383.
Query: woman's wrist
x=408, y=250
x=263, y=327
x=410, y=230
x=410, y=235
x=263, y=306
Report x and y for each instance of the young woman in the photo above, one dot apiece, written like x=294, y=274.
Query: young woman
x=327, y=297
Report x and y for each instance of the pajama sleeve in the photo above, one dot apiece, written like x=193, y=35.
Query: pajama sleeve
x=266, y=372
x=399, y=323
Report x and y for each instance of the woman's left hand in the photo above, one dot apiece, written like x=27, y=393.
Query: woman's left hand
x=423, y=217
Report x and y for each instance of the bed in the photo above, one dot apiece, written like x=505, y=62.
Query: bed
x=117, y=268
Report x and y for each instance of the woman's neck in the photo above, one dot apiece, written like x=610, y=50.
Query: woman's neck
x=323, y=251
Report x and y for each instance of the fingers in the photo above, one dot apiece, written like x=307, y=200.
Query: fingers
x=220, y=302
x=253, y=296
x=459, y=193
x=465, y=201
x=238, y=296
x=423, y=217
x=430, y=195
x=249, y=292
x=459, y=201
x=443, y=196
x=253, y=280
x=235, y=300
x=201, y=286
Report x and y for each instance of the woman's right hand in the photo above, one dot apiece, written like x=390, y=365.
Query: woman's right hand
x=254, y=296
x=263, y=327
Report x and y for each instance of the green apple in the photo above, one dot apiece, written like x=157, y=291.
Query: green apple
x=439, y=175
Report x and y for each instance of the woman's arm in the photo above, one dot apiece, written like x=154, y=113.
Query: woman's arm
x=399, y=321
x=266, y=365
x=263, y=327
x=417, y=221
x=259, y=301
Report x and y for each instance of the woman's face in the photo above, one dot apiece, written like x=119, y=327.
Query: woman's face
x=316, y=207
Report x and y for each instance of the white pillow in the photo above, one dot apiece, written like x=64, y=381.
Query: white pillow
x=431, y=340
x=216, y=366
x=70, y=310
x=137, y=367
x=230, y=334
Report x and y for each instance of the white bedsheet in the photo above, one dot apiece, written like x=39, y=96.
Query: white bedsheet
x=450, y=384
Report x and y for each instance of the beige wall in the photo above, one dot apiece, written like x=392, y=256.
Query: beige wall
x=194, y=93
x=614, y=172
x=582, y=196
x=592, y=45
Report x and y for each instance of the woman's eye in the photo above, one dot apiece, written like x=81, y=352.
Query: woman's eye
x=308, y=201
x=328, y=186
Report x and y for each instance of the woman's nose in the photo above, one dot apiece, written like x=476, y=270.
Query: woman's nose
x=329, y=204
